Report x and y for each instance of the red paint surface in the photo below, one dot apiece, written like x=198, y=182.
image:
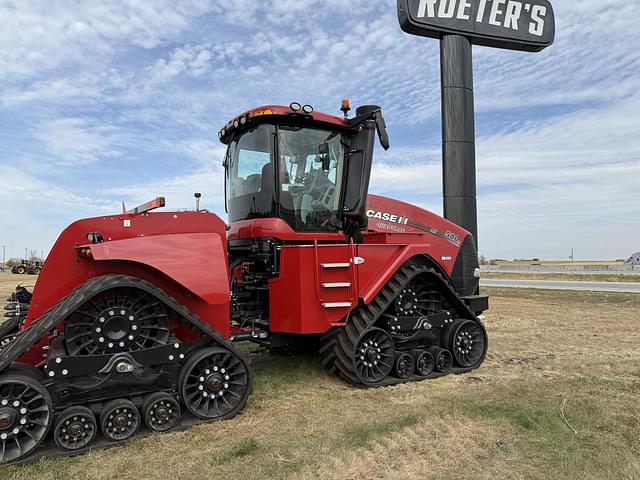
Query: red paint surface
x=297, y=295
x=185, y=254
x=169, y=254
x=152, y=248
x=281, y=110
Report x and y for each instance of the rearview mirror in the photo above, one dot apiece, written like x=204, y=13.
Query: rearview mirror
x=381, y=127
x=323, y=153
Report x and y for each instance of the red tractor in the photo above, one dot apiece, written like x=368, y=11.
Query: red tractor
x=117, y=333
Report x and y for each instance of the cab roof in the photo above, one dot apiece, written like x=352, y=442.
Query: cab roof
x=282, y=114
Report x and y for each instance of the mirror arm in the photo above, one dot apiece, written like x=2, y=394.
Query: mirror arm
x=377, y=117
x=357, y=121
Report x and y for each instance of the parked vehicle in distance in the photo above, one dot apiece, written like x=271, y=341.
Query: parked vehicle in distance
x=27, y=267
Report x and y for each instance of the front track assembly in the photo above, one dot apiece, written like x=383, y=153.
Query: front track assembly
x=415, y=328
x=116, y=369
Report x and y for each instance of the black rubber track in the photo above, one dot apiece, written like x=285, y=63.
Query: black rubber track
x=77, y=297
x=51, y=319
x=9, y=326
x=337, y=348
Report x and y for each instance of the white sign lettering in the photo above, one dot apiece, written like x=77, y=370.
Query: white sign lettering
x=507, y=14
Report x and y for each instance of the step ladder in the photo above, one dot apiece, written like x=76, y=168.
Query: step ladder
x=336, y=281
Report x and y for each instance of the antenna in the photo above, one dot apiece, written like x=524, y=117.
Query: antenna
x=197, y=196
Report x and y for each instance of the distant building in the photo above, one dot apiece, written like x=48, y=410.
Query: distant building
x=634, y=259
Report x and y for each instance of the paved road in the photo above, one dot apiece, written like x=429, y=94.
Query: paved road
x=619, y=287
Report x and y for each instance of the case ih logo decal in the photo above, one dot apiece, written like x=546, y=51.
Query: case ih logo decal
x=514, y=24
x=387, y=217
x=398, y=221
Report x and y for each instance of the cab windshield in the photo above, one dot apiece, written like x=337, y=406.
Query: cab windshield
x=291, y=172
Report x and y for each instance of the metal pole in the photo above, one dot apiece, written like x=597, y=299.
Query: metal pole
x=458, y=133
x=3, y=262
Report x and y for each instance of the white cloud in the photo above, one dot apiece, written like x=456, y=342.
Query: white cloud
x=34, y=211
x=39, y=35
x=154, y=81
x=573, y=180
x=177, y=190
x=192, y=60
x=75, y=142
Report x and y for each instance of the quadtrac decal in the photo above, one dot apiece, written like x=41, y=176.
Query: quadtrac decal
x=396, y=224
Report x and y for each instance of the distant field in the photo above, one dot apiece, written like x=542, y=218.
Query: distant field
x=556, y=398
x=560, y=263
x=583, y=277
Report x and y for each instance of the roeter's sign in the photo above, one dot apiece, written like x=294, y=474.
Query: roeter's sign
x=527, y=25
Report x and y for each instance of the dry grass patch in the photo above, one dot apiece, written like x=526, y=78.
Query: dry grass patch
x=558, y=362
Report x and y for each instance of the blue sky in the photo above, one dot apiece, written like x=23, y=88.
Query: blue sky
x=108, y=101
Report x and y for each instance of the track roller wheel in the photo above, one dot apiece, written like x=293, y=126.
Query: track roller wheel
x=119, y=420
x=161, y=412
x=467, y=340
x=375, y=355
x=25, y=416
x=443, y=359
x=214, y=383
x=425, y=363
x=404, y=365
x=75, y=429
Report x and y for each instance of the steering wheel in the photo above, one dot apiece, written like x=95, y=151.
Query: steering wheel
x=325, y=194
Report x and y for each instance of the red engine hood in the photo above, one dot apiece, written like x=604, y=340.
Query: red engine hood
x=390, y=216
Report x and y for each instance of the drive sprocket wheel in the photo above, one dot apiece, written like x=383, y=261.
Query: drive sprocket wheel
x=374, y=356
x=119, y=420
x=75, y=429
x=214, y=383
x=121, y=319
x=25, y=416
x=418, y=299
x=161, y=412
x=467, y=340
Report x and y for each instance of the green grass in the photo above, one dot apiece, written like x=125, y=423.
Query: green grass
x=242, y=448
x=544, y=446
x=360, y=435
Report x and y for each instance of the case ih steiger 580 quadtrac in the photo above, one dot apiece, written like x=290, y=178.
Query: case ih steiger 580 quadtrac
x=117, y=333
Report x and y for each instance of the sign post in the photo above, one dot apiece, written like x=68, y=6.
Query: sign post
x=527, y=25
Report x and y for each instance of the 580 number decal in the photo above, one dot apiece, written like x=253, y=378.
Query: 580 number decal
x=452, y=236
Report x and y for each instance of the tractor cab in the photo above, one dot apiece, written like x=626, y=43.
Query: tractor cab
x=309, y=169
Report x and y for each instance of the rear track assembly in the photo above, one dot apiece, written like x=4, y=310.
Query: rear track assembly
x=361, y=352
